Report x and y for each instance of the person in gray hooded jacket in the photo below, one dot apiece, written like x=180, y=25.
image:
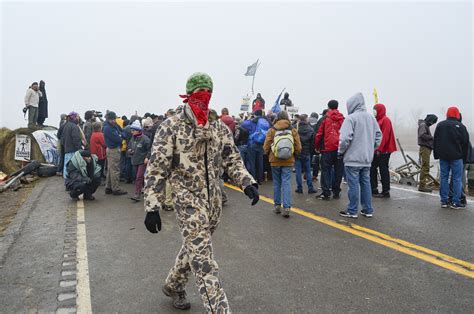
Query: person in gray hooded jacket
x=360, y=136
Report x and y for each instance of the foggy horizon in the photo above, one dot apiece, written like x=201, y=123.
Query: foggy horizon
x=129, y=57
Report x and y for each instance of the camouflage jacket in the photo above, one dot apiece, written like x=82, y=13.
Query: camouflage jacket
x=191, y=158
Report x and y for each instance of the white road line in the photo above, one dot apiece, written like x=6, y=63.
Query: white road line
x=423, y=193
x=83, y=301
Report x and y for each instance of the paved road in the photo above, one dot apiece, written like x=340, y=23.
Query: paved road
x=274, y=265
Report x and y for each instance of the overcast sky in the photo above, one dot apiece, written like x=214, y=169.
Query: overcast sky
x=131, y=56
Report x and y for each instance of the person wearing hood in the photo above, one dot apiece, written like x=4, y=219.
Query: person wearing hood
x=326, y=142
x=425, y=141
x=255, y=148
x=190, y=150
x=42, y=104
x=286, y=102
x=382, y=153
x=451, y=147
x=227, y=119
x=138, y=148
x=303, y=160
x=71, y=138
x=281, y=145
x=258, y=103
x=360, y=137
x=83, y=175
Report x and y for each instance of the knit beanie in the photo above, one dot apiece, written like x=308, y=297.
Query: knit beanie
x=148, y=122
x=198, y=80
x=136, y=126
x=85, y=153
x=333, y=104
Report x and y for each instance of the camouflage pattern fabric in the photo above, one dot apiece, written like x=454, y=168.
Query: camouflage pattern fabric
x=191, y=157
x=198, y=80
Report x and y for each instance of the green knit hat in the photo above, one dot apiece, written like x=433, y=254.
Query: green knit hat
x=198, y=80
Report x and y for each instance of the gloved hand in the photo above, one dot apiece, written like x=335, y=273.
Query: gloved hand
x=252, y=192
x=153, y=221
x=87, y=180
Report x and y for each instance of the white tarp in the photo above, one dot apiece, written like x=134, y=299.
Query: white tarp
x=22, y=147
x=48, y=143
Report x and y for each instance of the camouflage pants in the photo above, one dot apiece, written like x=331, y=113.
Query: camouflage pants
x=425, y=154
x=196, y=256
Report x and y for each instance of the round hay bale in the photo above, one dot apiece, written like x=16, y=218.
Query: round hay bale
x=7, y=157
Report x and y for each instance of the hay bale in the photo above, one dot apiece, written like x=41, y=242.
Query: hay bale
x=8, y=164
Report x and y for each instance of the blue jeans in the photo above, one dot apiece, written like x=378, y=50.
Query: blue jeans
x=255, y=160
x=358, y=180
x=282, y=185
x=243, y=150
x=303, y=164
x=456, y=168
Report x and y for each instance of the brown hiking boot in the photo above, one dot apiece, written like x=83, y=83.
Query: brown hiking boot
x=179, y=298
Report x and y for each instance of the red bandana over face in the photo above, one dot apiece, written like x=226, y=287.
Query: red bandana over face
x=199, y=103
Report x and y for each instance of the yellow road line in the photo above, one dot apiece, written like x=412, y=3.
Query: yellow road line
x=83, y=300
x=425, y=254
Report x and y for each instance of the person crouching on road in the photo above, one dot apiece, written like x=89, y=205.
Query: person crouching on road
x=138, y=149
x=83, y=175
x=360, y=136
x=281, y=144
x=189, y=150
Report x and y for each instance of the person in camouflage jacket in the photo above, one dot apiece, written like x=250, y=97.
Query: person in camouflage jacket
x=189, y=150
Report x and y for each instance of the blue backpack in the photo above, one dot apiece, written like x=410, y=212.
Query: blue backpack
x=261, y=131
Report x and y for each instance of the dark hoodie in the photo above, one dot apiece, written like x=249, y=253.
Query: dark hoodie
x=327, y=138
x=451, y=139
x=424, y=134
x=286, y=101
x=305, y=131
x=388, y=138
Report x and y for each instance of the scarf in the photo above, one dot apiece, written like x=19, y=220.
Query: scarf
x=202, y=133
x=199, y=103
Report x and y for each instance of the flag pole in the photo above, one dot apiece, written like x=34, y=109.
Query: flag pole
x=253, y=79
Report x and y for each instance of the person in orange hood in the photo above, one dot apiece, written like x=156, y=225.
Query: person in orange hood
x=382, y=153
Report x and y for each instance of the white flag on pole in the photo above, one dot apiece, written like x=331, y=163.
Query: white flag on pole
x=252, y=69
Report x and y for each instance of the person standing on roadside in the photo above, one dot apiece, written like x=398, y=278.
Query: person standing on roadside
x=425, y=141
x=32, y=98
x=382, y=153
x=281, y=145
x=451, y=147
x=113, y=140
x=326, y=142
x=303, y=160
x=138, y=148
x=98, y=147
x=360, y=136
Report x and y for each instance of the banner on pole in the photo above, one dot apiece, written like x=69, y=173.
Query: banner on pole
x=22, y=147
x=252, y=69
x=244, y=106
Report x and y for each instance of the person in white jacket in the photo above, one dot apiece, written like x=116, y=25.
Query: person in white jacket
x=32, y=99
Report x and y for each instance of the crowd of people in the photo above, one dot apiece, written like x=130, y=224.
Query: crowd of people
x=180, y=160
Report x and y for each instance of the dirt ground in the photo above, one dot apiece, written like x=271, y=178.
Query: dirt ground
x=11, y=202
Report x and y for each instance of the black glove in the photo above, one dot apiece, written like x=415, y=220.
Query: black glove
x=252, y=192
x=153, y=221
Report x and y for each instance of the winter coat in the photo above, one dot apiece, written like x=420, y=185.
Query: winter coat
x=139, y=147
x=267, y=146
x=329, y=130
x=387, y=145
x=78, y=170
x=32, y=97
x=241, y=136
x=360, y=134
x=316, y=129
x=112, y=135
x=258, y=104
x=451, y=140
x=229, y=121
x=250, y=126
x=43, y=104
x=305, y=131
x=97, y=145
x=87, y=128
x=424, y=133
x=191, y=158
x=286, y=102
x=71, y=137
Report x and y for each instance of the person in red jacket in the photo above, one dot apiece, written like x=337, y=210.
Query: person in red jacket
x=326, y=142
x=382, y=153
x=228, y=120
x=97, y=145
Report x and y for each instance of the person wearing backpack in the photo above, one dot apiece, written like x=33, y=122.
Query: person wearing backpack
x=255, y=151
x=281, y=145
